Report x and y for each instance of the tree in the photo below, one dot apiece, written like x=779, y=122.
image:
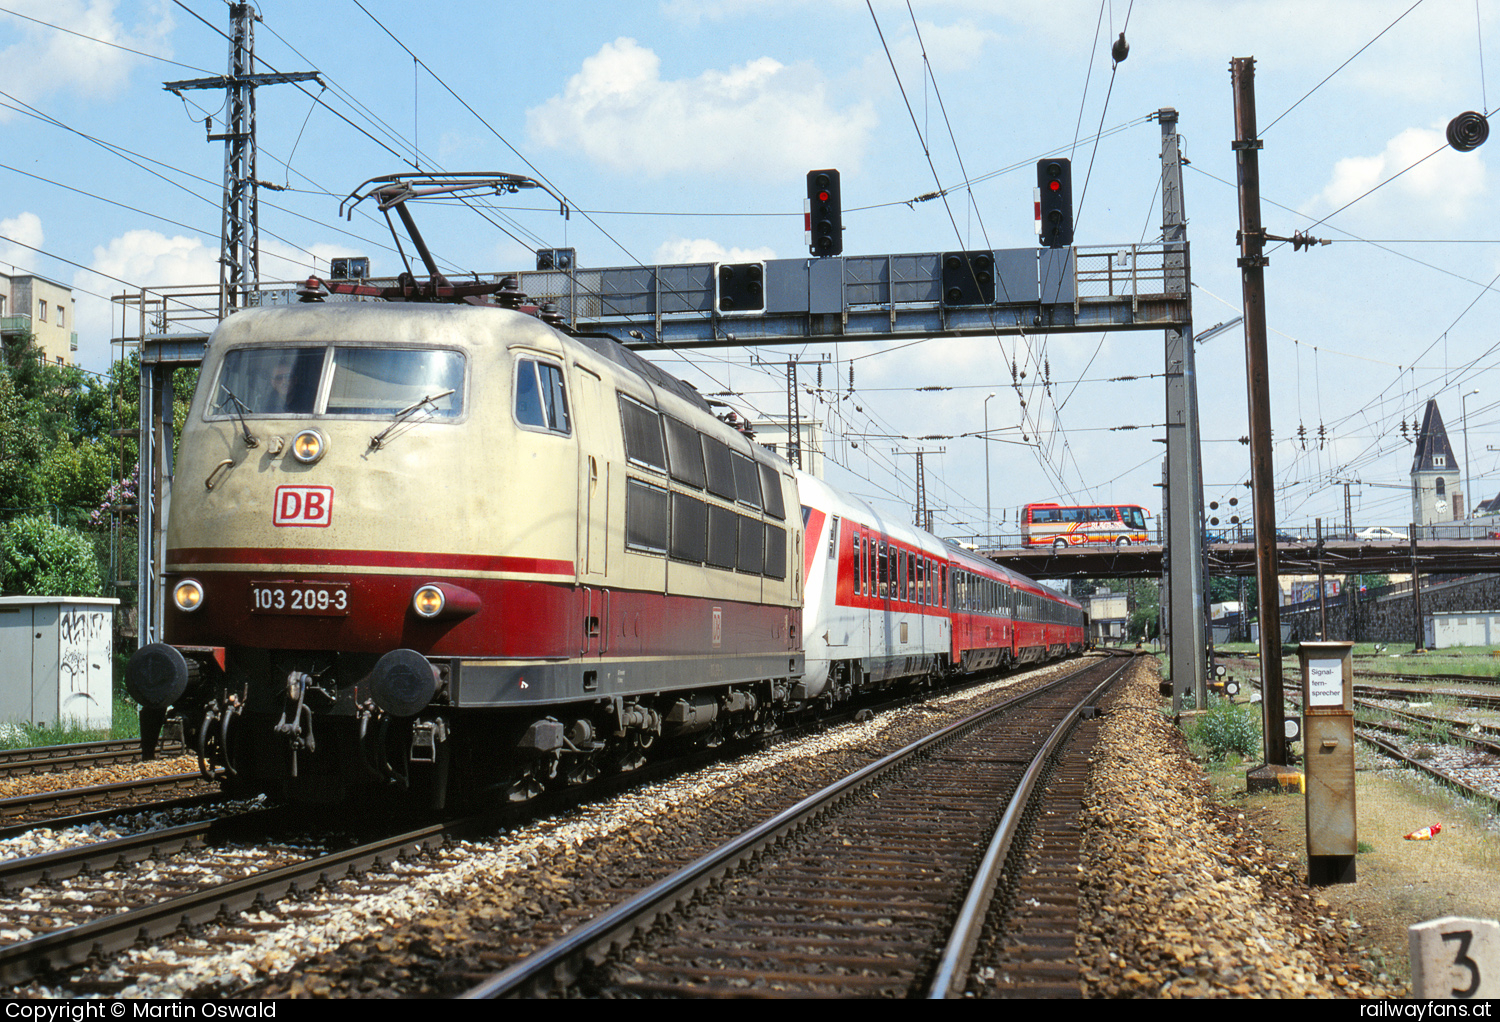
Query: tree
x=38, y=558
x=21, y=446
x=1145, y=615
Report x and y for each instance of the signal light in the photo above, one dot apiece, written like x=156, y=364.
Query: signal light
x=823, y=216
x=556, y=258
x=1054, y=202
x=742, y=287
x=968, y=278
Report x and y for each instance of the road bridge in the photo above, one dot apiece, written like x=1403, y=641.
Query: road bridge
x=1304, y=557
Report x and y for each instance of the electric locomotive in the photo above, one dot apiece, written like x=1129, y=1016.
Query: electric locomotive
x=442, y=548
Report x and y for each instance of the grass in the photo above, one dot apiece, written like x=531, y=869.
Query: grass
x=1225, y=729
x=25, y=735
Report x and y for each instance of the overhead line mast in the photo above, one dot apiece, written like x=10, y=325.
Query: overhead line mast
x=239, y=254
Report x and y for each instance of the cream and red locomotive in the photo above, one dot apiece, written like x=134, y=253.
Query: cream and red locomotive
x=415, y=542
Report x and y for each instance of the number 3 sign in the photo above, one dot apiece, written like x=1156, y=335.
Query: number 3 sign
x=1455, y=957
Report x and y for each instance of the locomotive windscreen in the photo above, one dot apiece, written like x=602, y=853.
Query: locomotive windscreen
x=365, y=380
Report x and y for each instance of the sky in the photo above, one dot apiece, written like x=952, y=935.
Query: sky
x=682, y=130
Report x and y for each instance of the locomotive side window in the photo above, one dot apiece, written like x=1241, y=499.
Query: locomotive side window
x=643, y=442
x=723, y=537
x=775, y=552
x=684, y=452
x=752, y=545
x=746, y=479
x=541, y=398
x=645, y=517
x=689, y=528
x=770, y=484
x=720, y=468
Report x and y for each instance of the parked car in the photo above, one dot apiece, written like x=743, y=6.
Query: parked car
x=1381, y=534
x=1281, y=537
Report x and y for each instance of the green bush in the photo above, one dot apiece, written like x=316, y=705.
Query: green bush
x=1227, y=727
x=38, y=558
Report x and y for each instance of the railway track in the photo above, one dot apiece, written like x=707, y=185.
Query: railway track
x=877, y=886
x=1470, y=763
x=43, y=807
x=163, y=897
x=58, y=758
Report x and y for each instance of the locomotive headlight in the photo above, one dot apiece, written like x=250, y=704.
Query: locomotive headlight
x=428, y=601
x=308, y=446
x=187, y=595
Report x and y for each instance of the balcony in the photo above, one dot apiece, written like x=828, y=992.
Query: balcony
x=13, y=325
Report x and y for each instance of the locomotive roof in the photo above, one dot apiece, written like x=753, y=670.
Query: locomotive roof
x=622, y=356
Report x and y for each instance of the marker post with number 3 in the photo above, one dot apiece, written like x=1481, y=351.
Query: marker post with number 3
x=1455, y=957
x=1328, y=747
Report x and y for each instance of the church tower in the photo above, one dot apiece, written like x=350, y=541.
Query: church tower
x=1435, y=481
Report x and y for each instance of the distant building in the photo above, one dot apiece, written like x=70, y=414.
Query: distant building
x=1435, y=481
x=43, y=308
x=775, y=435
x=1109, y=616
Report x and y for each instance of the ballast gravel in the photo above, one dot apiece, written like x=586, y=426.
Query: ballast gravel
x=1181, y=897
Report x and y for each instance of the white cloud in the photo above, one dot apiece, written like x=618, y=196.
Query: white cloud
x=760, y=119
x=1448, y=183
x=47, y=60
x=705, y=250
x=155, y=260
x=26, y=229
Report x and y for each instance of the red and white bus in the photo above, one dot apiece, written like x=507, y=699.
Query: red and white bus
x=1063, y=525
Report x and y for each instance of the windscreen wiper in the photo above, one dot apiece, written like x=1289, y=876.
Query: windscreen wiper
x=239, y=412
x=379, y=438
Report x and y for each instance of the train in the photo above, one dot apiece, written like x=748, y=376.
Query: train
x=454, y=553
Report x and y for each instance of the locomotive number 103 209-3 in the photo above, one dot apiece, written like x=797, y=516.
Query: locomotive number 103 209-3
x=330, y=598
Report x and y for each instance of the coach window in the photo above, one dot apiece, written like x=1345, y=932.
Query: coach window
x=541, y=398
x=882, y=568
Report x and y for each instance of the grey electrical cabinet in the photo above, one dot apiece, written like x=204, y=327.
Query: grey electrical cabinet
x=56, y=660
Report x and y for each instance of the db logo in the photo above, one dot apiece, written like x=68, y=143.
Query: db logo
x=303, y=505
